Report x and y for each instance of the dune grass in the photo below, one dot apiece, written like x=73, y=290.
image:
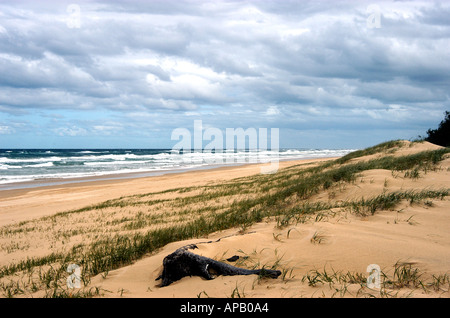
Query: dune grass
x=382, y=147
x=394, y=282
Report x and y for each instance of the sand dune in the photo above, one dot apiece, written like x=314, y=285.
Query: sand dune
x=326, y=254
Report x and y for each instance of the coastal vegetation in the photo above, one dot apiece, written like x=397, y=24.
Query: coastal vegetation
x=441, y=135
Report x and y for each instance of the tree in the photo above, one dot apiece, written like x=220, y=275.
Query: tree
x=441, y=135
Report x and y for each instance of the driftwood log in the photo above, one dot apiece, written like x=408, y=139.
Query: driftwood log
x=182, y=263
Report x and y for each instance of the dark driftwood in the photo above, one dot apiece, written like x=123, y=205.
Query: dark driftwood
x=183, y=263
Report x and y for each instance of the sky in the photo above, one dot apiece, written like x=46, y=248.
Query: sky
x=126, y=74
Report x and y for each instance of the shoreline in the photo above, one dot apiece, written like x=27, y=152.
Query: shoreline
x=49, y=182
x=111, y=177
x=17, y=205
x=34, y=169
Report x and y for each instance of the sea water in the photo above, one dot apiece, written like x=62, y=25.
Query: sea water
x=41, y=166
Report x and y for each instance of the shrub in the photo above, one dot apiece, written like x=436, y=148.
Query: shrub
x=441, y=135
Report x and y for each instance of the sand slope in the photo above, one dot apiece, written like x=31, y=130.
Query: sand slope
x=417, y=235
x=336, y=242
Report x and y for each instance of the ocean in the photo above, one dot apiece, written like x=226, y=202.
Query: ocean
x=20, y=168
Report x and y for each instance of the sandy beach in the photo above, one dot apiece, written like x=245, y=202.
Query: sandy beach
x=29, y=203
x=322, y=254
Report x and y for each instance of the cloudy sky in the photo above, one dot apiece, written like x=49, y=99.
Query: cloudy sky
x=125, y=74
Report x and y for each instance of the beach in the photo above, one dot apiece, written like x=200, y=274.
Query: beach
x=323, y=241
x=37, y=201
x=249, y=152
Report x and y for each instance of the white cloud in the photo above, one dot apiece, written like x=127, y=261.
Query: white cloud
x=6, y=130
x=272, y=111
x=70, y=131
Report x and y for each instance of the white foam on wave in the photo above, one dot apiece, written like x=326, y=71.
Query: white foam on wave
x=40, y=165
x=92, y=163
x=29, y=160
x=112, y=163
